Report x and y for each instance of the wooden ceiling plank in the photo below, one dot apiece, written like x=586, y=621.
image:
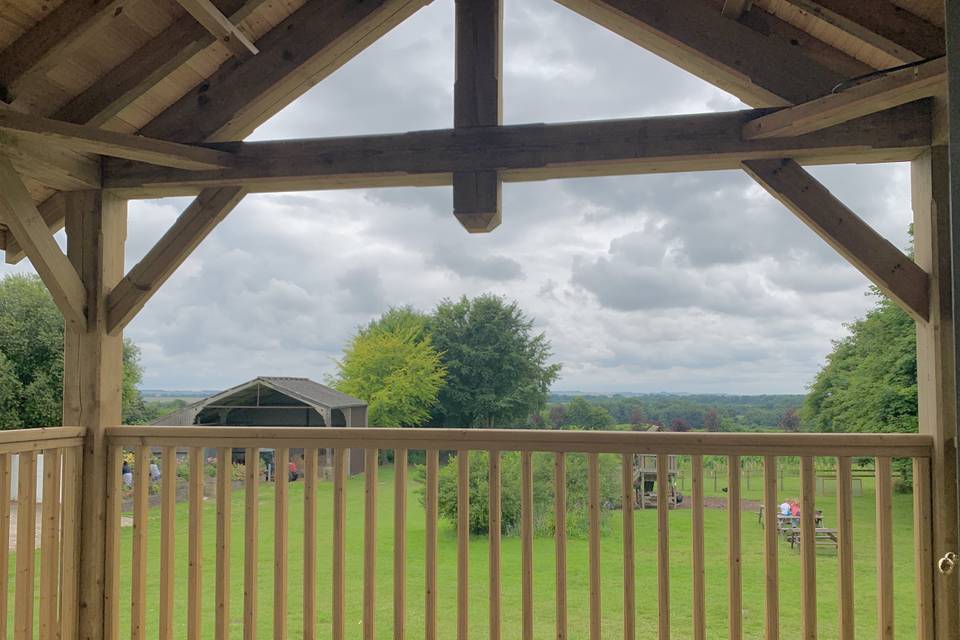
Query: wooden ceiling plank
x=147, y=67
x=478, y=101
x=30, y=230
x=883, y=92
x=310, y=44
x=218, y=25
x=65, y=27
x=530, y=152
x=117, y=145
x=175, y=246
x=882, y=25
x=735, y=8
x=877, y=258
x=761, y=70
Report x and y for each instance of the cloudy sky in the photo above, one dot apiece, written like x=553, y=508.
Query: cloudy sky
x=690, y=282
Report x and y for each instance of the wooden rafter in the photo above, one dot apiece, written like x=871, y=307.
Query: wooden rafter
x=309, y=45
x=53, y=211
x=29, y=228
x=883, y=92
x=147, y=67
x=883, y=26
x=530, y=152
x=477, y=101
x=146, y=277
x=219, y=26
x=111, y=143
x=872, y=254
x=66, y=25
x=761, y=70
x=735, y=8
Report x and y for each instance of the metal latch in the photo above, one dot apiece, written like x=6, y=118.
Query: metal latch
x=947, y=563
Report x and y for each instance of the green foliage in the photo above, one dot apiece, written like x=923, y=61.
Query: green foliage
x=580, y=413
x=869, y=382
x=31, y=358
x=497, y=370
x=399, y=320
x=543, y=493
x=396, y=370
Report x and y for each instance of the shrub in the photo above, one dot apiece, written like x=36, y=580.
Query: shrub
x=543, y=492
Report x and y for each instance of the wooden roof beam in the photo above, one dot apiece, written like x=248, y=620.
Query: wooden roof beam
x=883, y=26
x=65, y=27
x=309, y=45
x=883, y=92
x=530, y=152
x=761, y=70
x=53, y=210
x=111, y=143
x=148, y=66
x=176, y=245
x=220, y=27
x=477, y=101
x=29, y=228
x=874, y=256
x=735, y=8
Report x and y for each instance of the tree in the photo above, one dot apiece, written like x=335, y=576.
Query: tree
x=31, y=358
x=790, y=421
x=396, y=371
x=637, y=416
x=497, y=369
x=558, y=416
x=397, y=320
x=711, y=420
x=679, y=425
x=585, y=415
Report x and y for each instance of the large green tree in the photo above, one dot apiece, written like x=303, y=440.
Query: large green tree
x=395, y=369
x=497, y=367
x=31, y=358
x=869, y=382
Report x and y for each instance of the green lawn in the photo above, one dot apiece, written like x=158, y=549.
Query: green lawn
x=612, y=573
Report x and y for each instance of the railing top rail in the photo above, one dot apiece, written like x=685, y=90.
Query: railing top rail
x=783, y=444
x=16, y=440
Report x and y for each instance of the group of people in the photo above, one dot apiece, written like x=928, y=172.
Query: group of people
x=790, y=507
x=126, y=473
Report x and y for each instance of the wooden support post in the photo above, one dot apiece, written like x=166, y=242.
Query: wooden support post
x=936, y=370
x=477, y=101
x=92, y=375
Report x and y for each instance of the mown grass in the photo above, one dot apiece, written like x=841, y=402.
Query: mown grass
x=544, y=565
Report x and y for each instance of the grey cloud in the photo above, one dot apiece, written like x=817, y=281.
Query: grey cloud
x=459, y=259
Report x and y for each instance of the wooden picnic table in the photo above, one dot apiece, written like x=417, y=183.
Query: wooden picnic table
x=822, y=537
x=783, y=520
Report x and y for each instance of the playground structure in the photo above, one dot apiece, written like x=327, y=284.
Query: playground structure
x=645, y=479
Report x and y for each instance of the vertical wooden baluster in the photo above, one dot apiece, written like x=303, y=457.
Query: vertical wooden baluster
x=251, y=541
x=399, y=543
x=371, y=464
x=195, y=546
x=111, y=588
x=526, y=544
x=734, y=568
x=168, y=505
x=5, y=539
x=884, y=489
x=808, y=550
x=281, y=459
x=138, y=574
x=593, y=504
x=560, y=539
x=663, y=548
x=699, y=588
x=923, y=547
x=310, y=543
x=339, y=541
x=845, y=547
x=770, y=566
x=26, y=530
x=224, y=498
x=431, y=495
x=463, y=544
x=69, y=543
x=494, y=535
x=629, y=565
x=49, y=545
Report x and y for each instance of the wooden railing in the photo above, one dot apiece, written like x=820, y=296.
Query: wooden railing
x=144, y=441
x=44, y=605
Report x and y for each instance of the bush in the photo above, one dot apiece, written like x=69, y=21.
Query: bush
x=543, y=493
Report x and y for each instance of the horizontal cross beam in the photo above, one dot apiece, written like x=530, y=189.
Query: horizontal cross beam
x=530, y=152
